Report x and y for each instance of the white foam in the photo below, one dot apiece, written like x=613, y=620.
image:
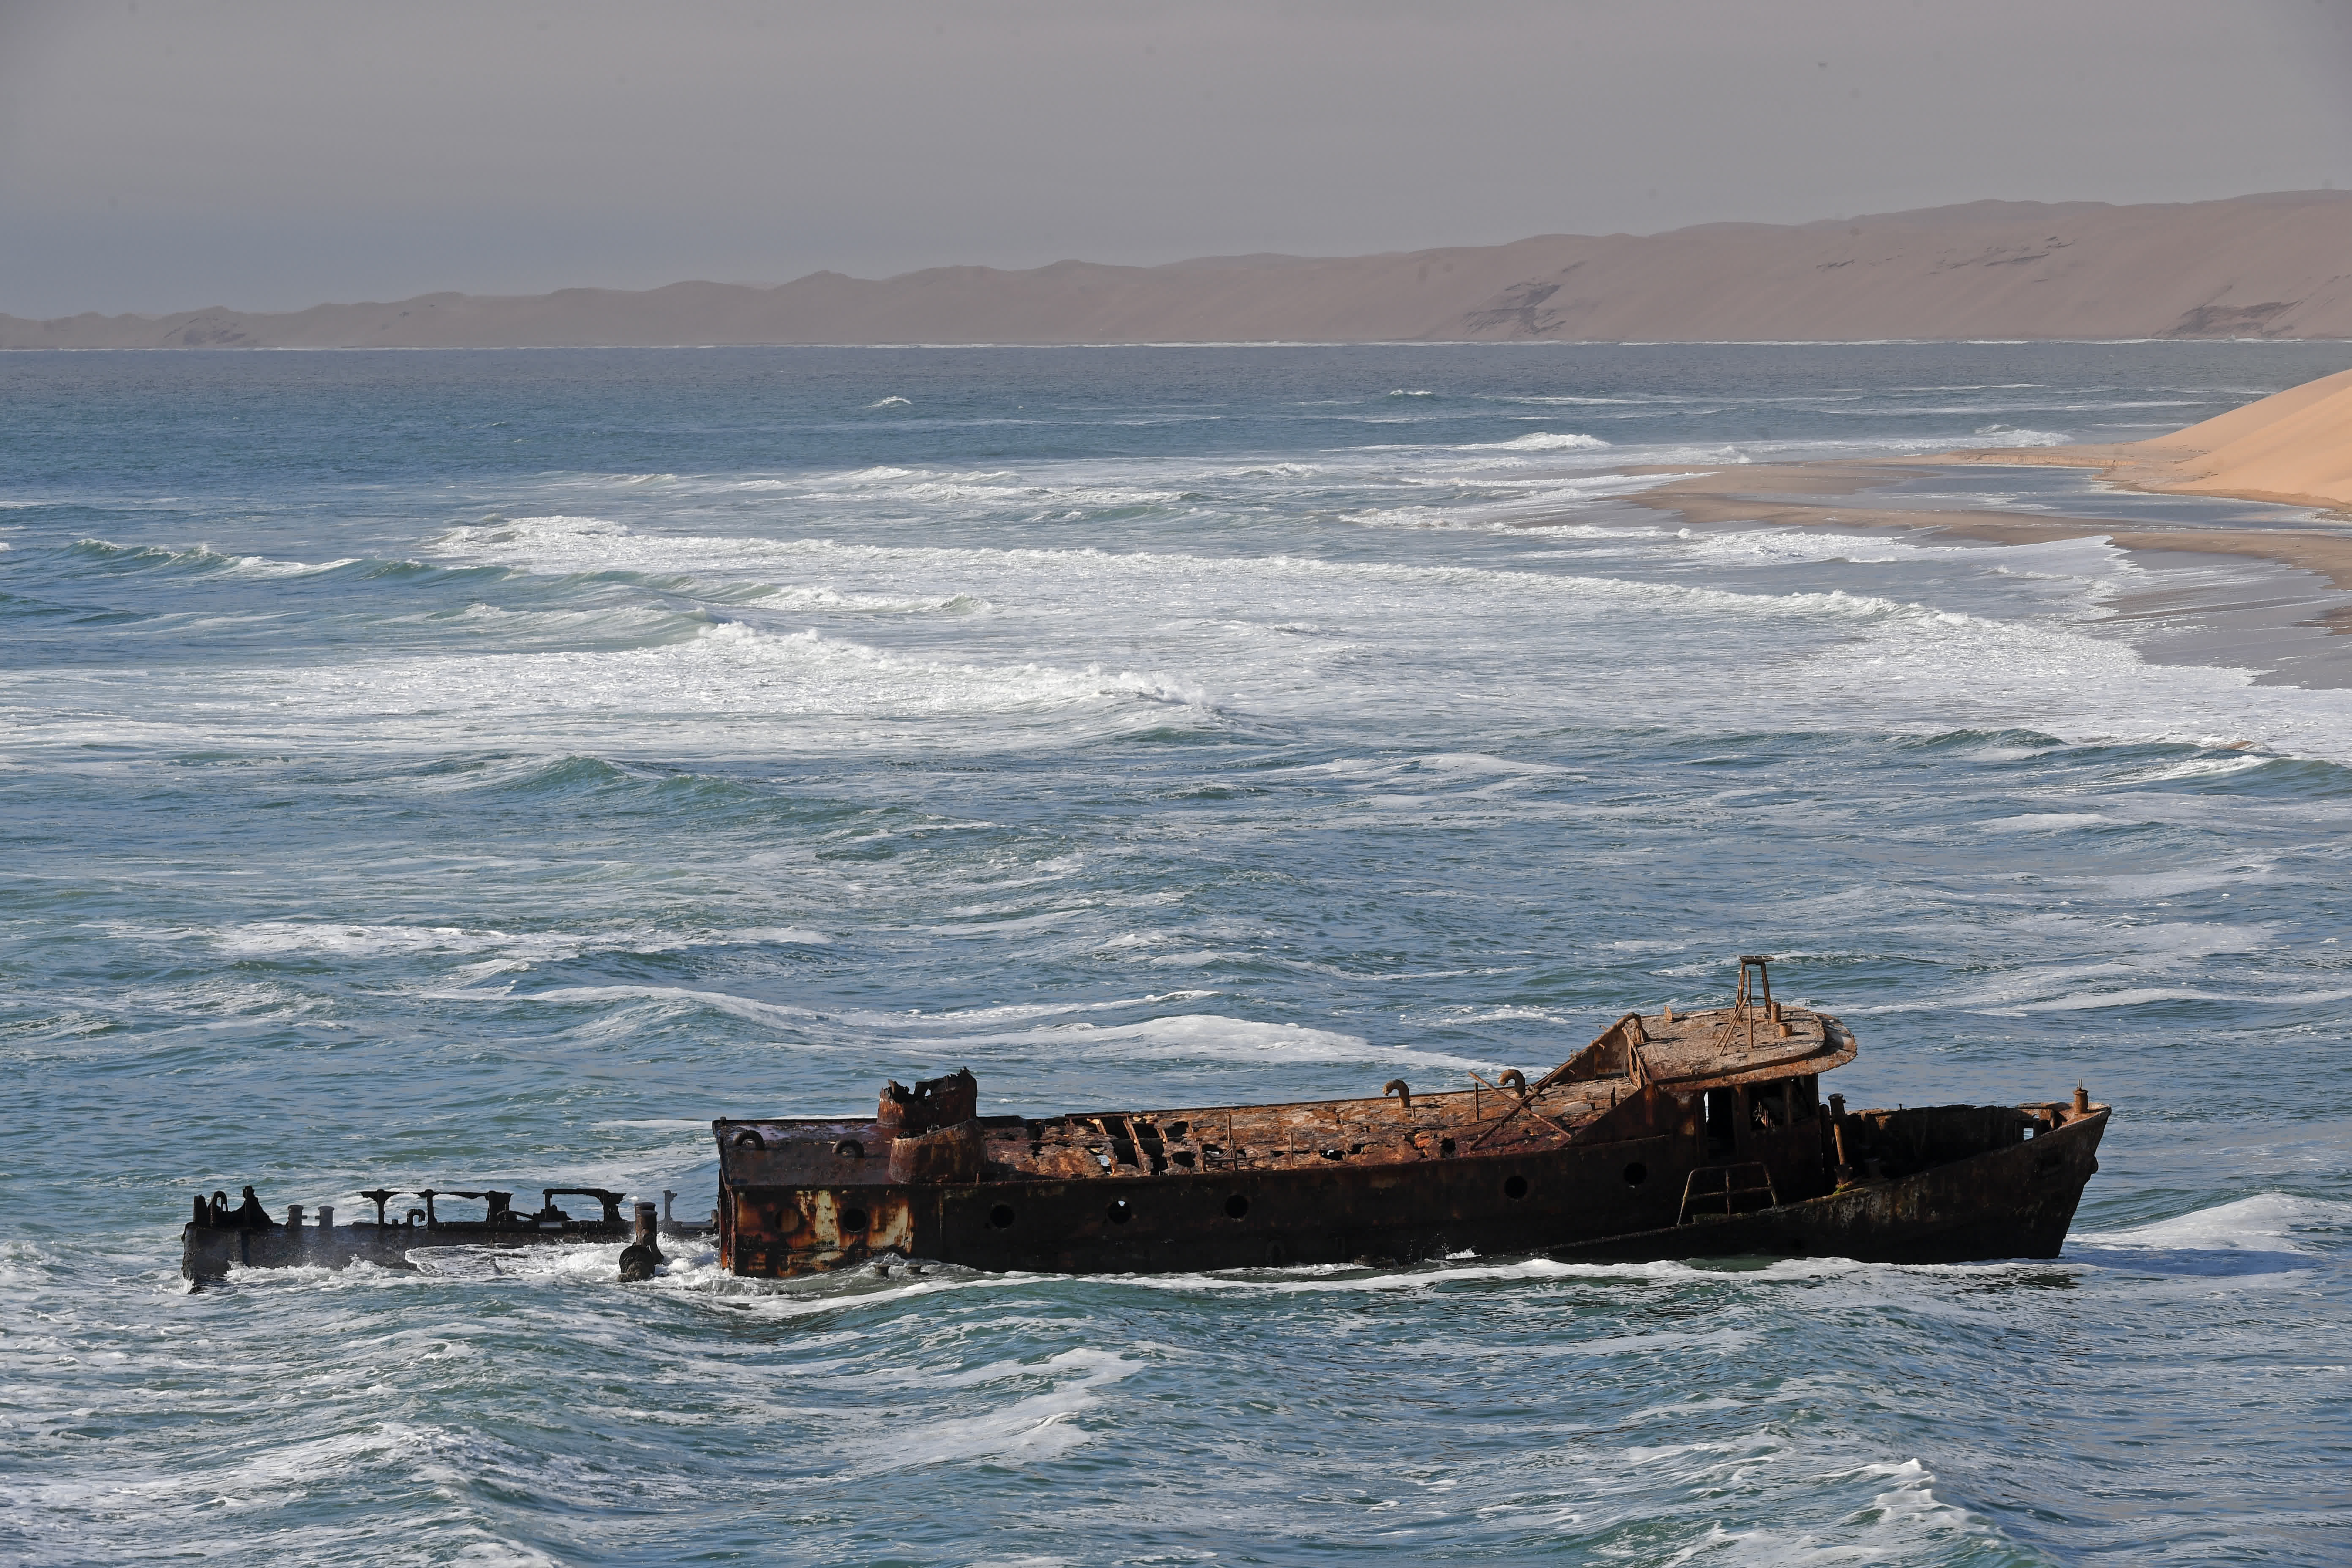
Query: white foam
x=270, y=938
x=2157, y=885
x=961, y=1016
x=521, y=530
x=1023, y=658
x=728, y=677
x=2141, y=996
x=2050, y=822
x=825, y=597
x=1904, y=1521
x=1321, y=1279
x=2267, y=1222
x=266, y=566
x=1207, y=1036
x=1542, y=441
x=672, y=999
x=204, y=559
x=1025, y=1429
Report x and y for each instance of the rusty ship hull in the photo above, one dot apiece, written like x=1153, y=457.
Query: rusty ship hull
x=2013, y=1201
x=1572, y=1203
x=1696, y=1136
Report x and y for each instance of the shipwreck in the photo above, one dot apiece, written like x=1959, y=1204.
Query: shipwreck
x=1698, y=1134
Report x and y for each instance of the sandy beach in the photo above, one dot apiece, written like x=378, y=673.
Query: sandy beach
x=2291, y=451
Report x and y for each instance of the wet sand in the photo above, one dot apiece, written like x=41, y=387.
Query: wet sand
x=1865, y=496
x=2282, y=623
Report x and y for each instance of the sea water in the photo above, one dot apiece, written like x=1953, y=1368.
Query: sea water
x=485, y=768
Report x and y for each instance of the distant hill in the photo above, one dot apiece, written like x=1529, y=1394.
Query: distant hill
x=2276, y=266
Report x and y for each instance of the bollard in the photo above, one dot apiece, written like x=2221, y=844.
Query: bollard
x=644, y=1251
x=326, y=1217
x=293, y=1216
x=203, y=1211
x=2082, y=1100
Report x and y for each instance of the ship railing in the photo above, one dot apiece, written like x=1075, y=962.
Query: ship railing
x=1726, y=1185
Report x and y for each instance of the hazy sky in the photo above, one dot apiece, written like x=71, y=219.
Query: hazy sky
x=164, y=156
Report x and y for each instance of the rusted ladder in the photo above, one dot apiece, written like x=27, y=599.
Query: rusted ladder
x=1726, y=1186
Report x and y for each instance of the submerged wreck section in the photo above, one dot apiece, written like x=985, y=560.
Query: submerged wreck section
x=1666, y=1136
x=219, y=1237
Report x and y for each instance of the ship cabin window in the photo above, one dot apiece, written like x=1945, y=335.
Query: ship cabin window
x=1804, y=1096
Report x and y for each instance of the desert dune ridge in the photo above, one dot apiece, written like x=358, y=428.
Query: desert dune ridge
x=2266, y=266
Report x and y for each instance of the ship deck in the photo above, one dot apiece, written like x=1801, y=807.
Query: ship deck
x=1686, y=1053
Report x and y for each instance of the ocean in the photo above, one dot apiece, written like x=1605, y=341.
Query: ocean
x=454, y=768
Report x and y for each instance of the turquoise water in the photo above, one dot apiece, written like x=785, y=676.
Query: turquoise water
x=443, y=768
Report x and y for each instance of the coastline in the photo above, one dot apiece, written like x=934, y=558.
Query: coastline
x=1808, y=495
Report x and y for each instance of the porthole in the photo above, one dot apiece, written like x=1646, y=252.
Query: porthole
x=1636, y=1174
x=1121, y=1211
x=850, y=1148
x=852, y=1219
x=1236, y=1207
x=1001, y=1217
x=1516, y=1188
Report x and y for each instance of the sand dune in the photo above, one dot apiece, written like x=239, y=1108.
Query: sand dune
x=2294, y=447
x=2266, y=266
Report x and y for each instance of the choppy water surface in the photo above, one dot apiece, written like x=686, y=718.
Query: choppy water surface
x=488, y=767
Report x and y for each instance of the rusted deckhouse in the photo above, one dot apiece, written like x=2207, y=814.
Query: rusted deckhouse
x=1691, y=1135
